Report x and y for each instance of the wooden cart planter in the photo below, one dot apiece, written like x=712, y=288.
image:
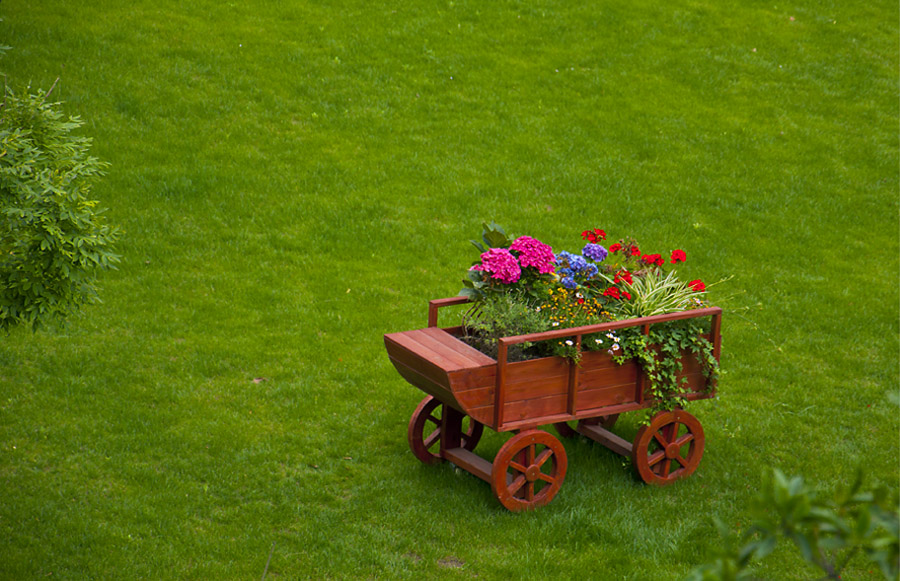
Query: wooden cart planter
x=520, y=396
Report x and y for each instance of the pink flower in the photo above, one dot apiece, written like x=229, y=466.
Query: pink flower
x=534, y=253
x=501, y=264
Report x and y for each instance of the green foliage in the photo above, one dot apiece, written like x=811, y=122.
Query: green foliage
x=504, y=315
x=658, y=293
x=53, y=239
x=660, y=354
x=828, y=532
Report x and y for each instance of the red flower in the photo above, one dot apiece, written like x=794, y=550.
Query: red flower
x=594, y=235
x=678, y=256
x=623, y=275
x=635, y=251
x=697, y=285
x=626, y=294
x=653, y=259
x=611, y=292
x=580, y=301
x=615, y=247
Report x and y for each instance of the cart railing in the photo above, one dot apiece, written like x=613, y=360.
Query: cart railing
x=578, y=332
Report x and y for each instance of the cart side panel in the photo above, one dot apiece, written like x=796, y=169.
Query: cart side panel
x=418, y=369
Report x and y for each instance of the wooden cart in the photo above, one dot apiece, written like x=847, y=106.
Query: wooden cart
x=469, y=390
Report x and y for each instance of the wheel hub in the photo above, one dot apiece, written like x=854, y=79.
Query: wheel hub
x=531, y=474
x=672, y=450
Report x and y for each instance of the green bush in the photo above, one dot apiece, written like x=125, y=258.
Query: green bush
x=53, y=239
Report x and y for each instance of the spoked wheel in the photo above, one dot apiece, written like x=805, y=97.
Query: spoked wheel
x=669, y=448
x=566, y=429
x=528, y=470
x=424, y=433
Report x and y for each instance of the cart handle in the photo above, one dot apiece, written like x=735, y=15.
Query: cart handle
x=435, y=304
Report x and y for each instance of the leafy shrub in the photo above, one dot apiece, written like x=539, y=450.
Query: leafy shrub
x=828, y=532
x=53, y=239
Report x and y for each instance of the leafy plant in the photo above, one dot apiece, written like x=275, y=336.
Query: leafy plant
x=657, y=293
x=53, y=239
x=502, y=315
x=828, y=532
x=569, y=290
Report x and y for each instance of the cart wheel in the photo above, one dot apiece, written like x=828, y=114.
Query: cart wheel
x=427, y=417
x=669, y=448
x=565, y=429
x=528, y=470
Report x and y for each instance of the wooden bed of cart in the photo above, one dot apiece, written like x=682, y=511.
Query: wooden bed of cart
x=584, y=398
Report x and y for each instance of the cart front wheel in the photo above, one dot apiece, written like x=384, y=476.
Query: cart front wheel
x=424, y=432
x=669, y=448
x=528, y=470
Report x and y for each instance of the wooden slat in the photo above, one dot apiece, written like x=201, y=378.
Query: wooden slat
x=441, y=343
x=408, y=341
x=470, y=462
x=607, y=438
x=456, y=345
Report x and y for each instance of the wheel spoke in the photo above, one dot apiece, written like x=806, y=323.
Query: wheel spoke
x=529, y=491
x=529, y=455
x=548, y=478
x=654, y=459
x=681, y=461
x=667, y=465
x=433, y=420
x=517, y=467
x=516, y=485
x=543, y=457
x=431, y=439
x=684, y=439
x=660, y=438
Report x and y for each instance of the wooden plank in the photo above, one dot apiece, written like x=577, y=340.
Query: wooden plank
x=458, y=346
x=591, y=378
x=408, y=341
x=423, y=382
x=605, y=437
x=398, y=354
x=470, y=462
x=606, y=396
x=434, y=340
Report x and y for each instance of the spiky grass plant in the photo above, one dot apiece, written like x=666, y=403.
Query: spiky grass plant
x=657, y=293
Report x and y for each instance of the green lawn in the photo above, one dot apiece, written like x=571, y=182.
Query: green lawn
x=295, y=179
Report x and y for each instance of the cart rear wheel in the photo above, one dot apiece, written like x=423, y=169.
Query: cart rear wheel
x=424, y=432
x=669, y=448
x=566, y=429
x=528, y=470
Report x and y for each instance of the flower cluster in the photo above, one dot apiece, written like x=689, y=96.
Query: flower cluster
x=500, y=264
x=619, y=278
x=533, y=253
x=574, y=269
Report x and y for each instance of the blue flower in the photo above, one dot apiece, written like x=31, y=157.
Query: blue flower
x=565, y=272
x=569, y=282
x=577, y=263
x=591, y=271
x=594, y=252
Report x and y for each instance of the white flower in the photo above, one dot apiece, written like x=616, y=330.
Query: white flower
x=538, y=309
x=555, y=323
x=598, y=341
x=569, y=342
x=615, y=347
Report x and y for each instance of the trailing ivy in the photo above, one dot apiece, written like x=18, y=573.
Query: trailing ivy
x=660, y=353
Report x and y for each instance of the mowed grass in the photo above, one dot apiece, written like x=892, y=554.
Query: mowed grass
x=296, y=179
